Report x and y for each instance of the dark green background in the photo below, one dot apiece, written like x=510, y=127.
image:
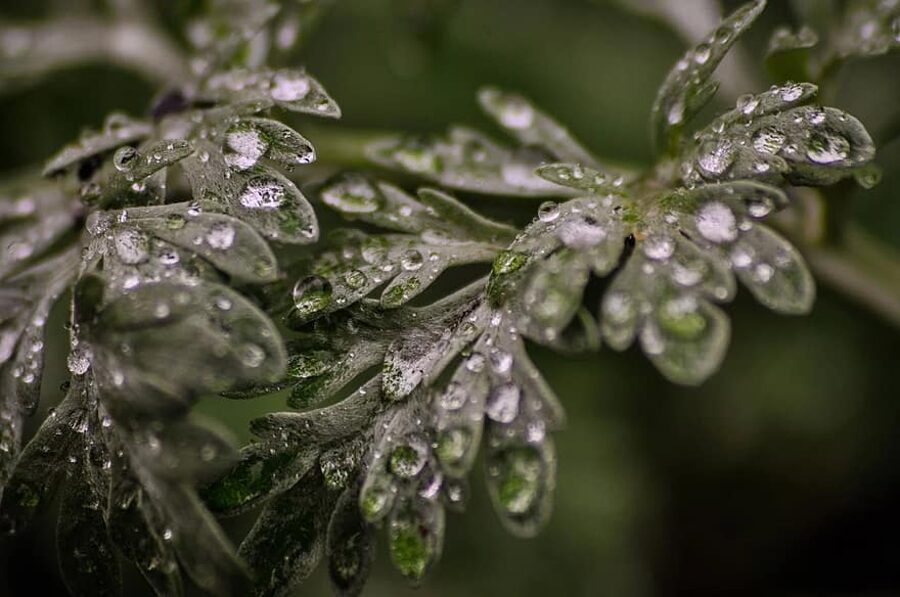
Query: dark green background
x=780, y=476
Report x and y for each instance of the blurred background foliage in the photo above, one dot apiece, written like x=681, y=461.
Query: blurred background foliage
x=779, y=476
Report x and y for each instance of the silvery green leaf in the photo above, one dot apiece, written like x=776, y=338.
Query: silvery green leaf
x=265, y=469
x=87, y=558
x=767, y=264
x=688, y=88
x=416, y=537
x=290, y=89
x=25, y=302
x=288, y=539
x=530, y=126
x=466, y=160
x=662, y=296
x=773, y=271
x=256, y=195
x=337, y=350
x=765, y=140
x=229, y=244
x=118, y=130
x=686, y=338
x=869, y=28
x=202, y=547
x=444, y=329
x=580, y=177
x=349, y=545
x=544, y=271
x=432, y=211
x=251, y=138
x=38, y=470
x=184, y=451
x=136, y=530
x=521, y=481
x=788, y=56
x=236, y=344
x=327, y=424
x=34, y=216
x=136, y=176
x=440, y=233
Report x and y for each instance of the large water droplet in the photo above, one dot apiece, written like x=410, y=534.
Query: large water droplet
x=354, y=195
x=132, y=246
x=125, y=158
x=716, y=157
x=769, y=140
x=311, y=295
x=503, y=403
x=716, y=222
x=408, y=459
x=262, y=192
x=827, y=148
x=220, y=235
x=289, y=87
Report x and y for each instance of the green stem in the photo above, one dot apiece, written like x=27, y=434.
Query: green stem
x=862, y=268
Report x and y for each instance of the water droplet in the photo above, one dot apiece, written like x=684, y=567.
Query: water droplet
x=791, y=93
x=618, y=307
x=220, y=235
x=247, y=147
x=452, y=445
x=716, y=222
x=679, y=316
x=702, y=53
x=125, y=158
x=289, y=87
x=354, y=195
x=252, y=355
x=516, y=114
x=132, y=246
x=508, y=262
x=453, y=397
x=502, y=404
x=747, y=104
x=548, y=211
x=716, y=157
x=659, y=247
x=262, y=193
x=311, y=295
x=79, y=359
x=827, y=148
x=407, y=460
x=769, y=140
x=581, y=233
x=411, y=260
x=355, y=279
x=475, y=362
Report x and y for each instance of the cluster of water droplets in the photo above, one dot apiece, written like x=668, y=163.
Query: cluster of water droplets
x=772, y=137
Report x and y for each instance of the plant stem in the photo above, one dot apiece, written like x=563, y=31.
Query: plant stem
x=862, y=268
x=69, y=41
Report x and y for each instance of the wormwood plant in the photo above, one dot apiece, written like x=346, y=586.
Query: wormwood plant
x=177, y=240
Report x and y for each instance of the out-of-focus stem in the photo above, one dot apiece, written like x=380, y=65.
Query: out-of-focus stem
x=861, y=268
x=32, y=51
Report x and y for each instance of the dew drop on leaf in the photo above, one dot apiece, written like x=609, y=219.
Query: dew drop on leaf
x=220, y=236
x=125, y=158
x=502, y=404
x=412, y=260
x=716, y=222
x=262, y=193
x=408, y=459
x=312, y=295
x=132, y=246
x=827, y=148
